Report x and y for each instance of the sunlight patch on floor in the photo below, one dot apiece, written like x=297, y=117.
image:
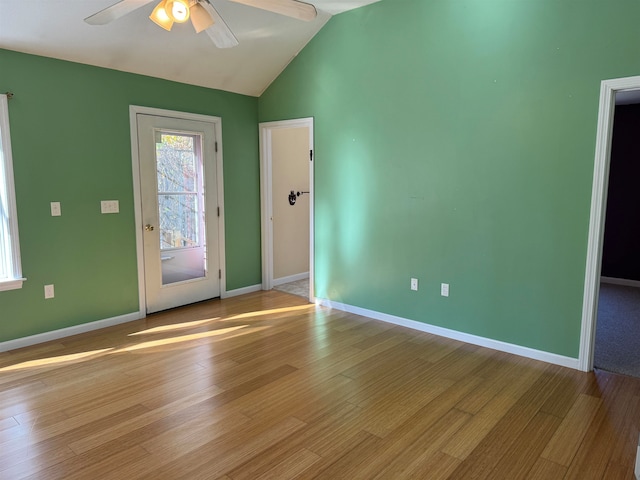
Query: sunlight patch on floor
x=175, y=326
x=260, y=313
x=230, y=332
x=45, y=362
x=180, y=339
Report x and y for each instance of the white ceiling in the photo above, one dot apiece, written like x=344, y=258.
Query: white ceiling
x=268, y=42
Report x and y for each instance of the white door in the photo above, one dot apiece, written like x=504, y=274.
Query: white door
x=180, y=212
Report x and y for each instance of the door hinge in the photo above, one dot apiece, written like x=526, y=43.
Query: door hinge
x=216, y=147
x=218, y=211
x=220, y=274
x=311, y=155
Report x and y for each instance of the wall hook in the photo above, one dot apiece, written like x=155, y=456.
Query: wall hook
x=294, y=195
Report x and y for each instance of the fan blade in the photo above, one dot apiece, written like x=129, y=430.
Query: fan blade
x=115, y=11
x=290, y=8
x=219, y=32
x=200, y=18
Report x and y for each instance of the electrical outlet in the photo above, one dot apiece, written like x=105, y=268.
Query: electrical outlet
x=56, y=211
x=444, y=289
x=414, y=284
x=110, y=206
x=48, y=291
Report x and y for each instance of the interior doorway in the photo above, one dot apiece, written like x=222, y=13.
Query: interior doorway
x=179, y=211
x=618, y=317
x=593, y=271
x=287, y=161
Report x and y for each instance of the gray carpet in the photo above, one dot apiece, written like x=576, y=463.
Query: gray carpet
x=618, y=330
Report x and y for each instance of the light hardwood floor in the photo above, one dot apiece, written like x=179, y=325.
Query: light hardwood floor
x=266, y=386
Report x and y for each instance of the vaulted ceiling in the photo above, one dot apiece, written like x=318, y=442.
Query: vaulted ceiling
x=268, y=42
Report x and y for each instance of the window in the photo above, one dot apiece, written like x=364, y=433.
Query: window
x=10, y=269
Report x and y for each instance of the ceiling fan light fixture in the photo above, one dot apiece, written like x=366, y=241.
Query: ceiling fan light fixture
x=200, y=18
x=160, y=16
x=178, y=10
x=204, y=17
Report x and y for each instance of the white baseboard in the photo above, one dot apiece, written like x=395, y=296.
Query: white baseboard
x=637, y=470
x=290, y=278
x=455, y=335
x=620, y=281
x=241, y=291
x=69, y=331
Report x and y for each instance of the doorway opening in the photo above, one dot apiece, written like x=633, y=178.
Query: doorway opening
x=610, y=89
x=286, y=173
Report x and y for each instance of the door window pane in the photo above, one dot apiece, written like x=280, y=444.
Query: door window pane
x=180, y=206
x=176, y=158
x=178, y=221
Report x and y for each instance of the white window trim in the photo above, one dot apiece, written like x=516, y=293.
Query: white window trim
x=8, y=194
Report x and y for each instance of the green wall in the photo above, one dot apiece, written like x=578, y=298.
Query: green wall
x=455, y=143
x=71, y=143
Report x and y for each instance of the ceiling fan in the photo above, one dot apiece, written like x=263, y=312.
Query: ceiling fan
x=203, y=14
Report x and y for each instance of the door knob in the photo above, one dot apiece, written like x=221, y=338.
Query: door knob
x=148, y=228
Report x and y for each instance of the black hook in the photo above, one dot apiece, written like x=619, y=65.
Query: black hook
x=293, y=195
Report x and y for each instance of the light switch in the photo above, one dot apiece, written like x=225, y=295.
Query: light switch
x=56, y=211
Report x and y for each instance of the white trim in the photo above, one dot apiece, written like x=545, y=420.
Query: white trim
x=137, y=205
x=455, y=335
x=13, y=284
x=242, y=291
x=266, y=207
x=266, y=199
x=637, y=469
x=620, y=281
x=69, y=331
x=8, y=195
x=222, y=264
x=290, y=278
x=134, y=110
x=608, y=89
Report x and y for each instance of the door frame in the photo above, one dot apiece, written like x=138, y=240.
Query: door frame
x=608, y=90
x=266, y=198
x=134, y=110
